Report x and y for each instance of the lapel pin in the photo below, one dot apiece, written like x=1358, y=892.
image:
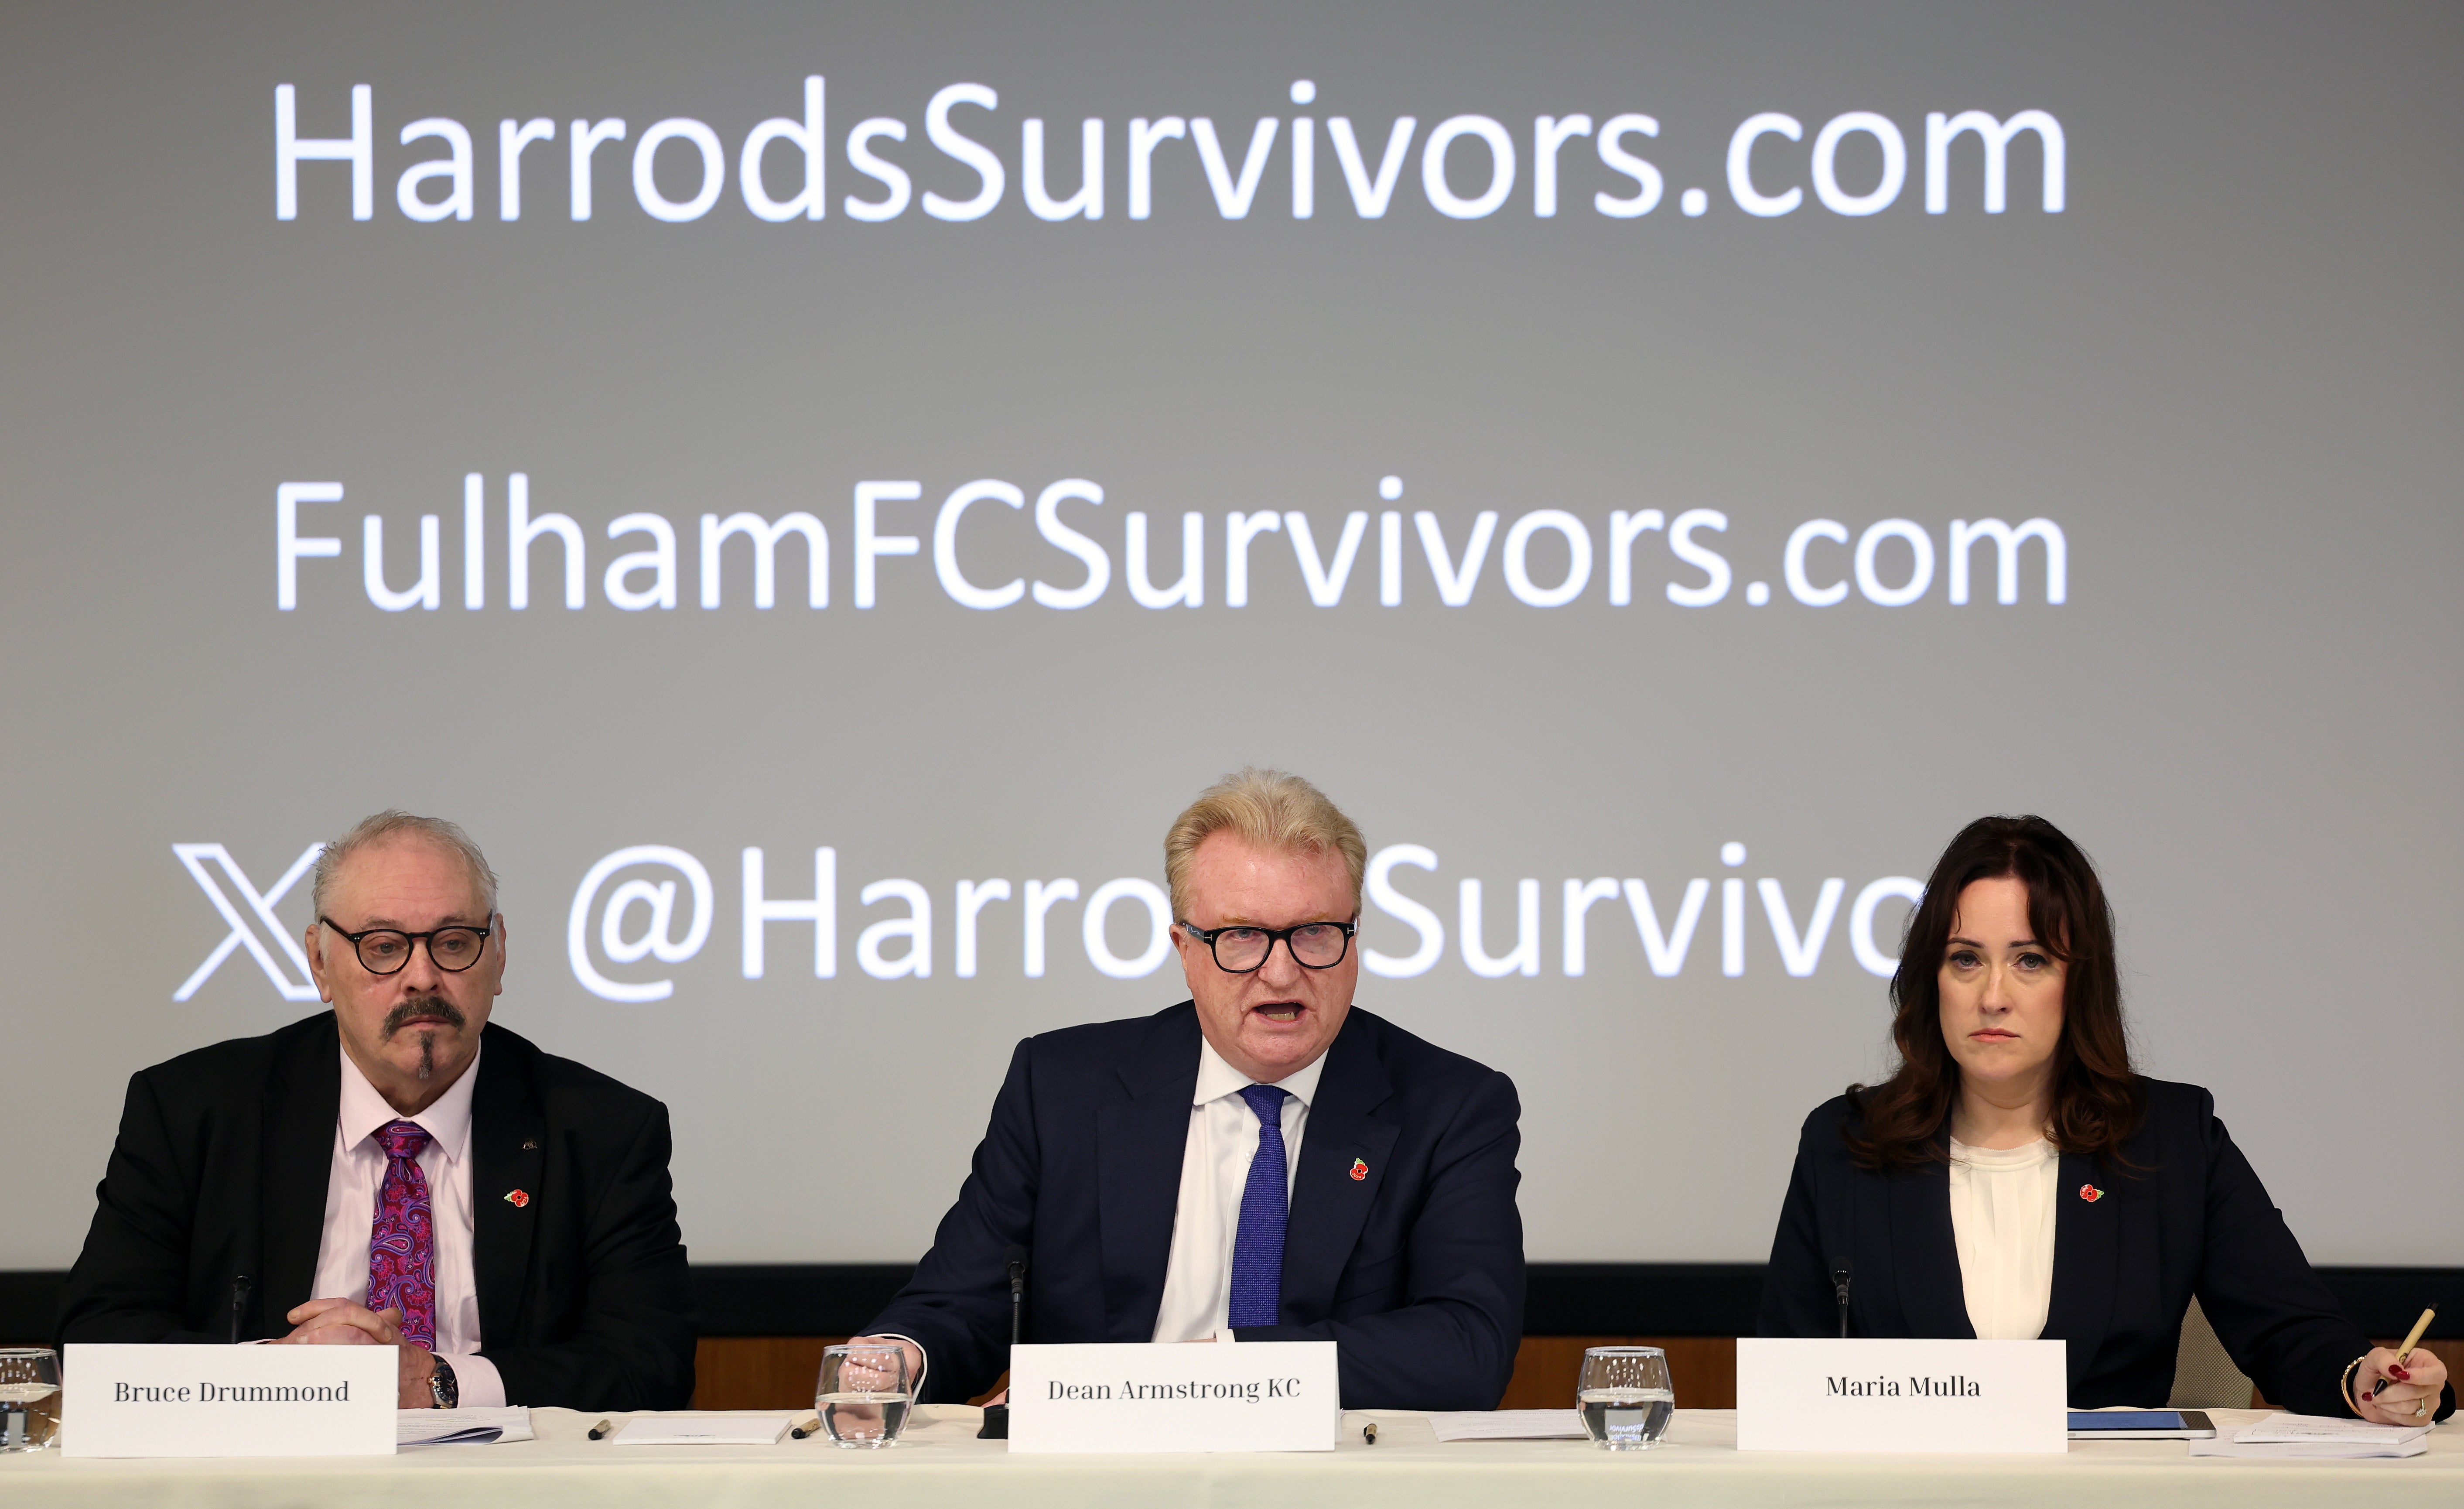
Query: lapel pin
x=530, y=1145
x=517, y=1198
x=2091, y=1193
x=1359, y=1170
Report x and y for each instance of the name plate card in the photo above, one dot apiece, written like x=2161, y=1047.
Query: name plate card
x=1250, y=1396
x=1875, y=1395
x=120, y=1399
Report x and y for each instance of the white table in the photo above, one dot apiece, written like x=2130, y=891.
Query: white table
x=941, y=1463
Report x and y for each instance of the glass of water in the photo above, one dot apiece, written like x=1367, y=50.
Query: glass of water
x=1625, y=1397
x=864, y=1394
x=30, y=1398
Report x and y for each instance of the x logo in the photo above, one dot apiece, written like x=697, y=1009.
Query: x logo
x=242, y=934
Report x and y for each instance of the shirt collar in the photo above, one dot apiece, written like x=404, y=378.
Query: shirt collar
x=365, y=1112
x=1217, y=1079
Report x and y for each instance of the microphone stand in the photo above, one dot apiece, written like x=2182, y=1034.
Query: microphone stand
x=996, y=1415
x=1839, y=1288
x=241, y=1287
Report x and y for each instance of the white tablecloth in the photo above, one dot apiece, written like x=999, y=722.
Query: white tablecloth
x=941, y=1463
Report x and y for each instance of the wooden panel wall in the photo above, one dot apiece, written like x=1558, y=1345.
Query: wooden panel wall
x=778, y=1373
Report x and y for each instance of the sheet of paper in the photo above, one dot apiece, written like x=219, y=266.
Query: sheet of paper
x=704, y=1430
x=2289, y=1429
x=1508, y=1425
x=2331, y=1450
x=2281, y=1428
x=461, y=1427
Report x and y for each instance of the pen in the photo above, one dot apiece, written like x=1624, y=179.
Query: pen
x=2412, y=1340
x=810, y=1424
x=600, y=1431
x=1369, y=1432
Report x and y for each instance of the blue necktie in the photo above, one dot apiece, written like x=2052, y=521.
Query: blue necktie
x=1257, y=1250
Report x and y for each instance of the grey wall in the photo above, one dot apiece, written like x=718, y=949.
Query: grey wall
x=2228, y=369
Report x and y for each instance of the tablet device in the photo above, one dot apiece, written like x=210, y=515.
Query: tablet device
x=2140, y=1424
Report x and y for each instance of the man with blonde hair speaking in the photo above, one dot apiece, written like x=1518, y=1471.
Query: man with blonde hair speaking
x=1261, y=1162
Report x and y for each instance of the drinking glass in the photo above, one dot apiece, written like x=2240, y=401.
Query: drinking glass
x=864, y=1394
x=30, y=1398
x=1625, y=1397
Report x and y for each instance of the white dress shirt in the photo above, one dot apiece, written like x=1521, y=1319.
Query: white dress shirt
x=2002, y=1222
x=352, y=1187
x=1214, y=1172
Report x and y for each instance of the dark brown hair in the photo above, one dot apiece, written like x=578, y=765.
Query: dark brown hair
x=1898, y=1123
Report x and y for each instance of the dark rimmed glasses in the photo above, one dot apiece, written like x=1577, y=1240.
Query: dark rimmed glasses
x=385, y=951
x=1244, y=950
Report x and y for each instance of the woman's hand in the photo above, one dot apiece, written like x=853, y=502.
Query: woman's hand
x=2410, y=1396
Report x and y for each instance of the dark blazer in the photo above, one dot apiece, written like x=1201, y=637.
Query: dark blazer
x=2192, y=1220
x=1415, y=1268
x=220, y=1170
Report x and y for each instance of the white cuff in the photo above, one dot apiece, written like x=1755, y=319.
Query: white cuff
x=476, y=1380
x=922, y=1373
x=1223, y=1333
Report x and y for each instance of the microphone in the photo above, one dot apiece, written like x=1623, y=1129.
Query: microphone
x=242, y=1285
x=996, y=1415
x=1839, y=1288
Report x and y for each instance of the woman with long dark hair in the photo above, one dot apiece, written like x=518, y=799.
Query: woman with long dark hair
x=2015, y=1179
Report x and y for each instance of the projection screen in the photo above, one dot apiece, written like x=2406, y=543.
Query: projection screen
x=815, y=489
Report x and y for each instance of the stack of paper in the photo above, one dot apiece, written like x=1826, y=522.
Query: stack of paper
x=2318, y=1436
x=703, y=1430
x=1508, y=1425
x=461, y=1427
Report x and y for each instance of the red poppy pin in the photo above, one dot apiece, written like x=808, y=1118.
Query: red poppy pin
x=517, y=1198
x=1359, y=1170
x=2091, y=1193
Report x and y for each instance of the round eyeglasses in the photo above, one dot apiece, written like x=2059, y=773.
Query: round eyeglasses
x=1244, y=950
x=385, y=951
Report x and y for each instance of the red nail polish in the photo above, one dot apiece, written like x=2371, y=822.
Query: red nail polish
x=2395, y=1371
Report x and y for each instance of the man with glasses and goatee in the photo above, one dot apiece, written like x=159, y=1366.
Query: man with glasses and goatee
x=1261, y=1162
x=400, y=1172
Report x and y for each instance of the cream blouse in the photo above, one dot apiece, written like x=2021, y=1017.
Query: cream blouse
x=2002, y=1223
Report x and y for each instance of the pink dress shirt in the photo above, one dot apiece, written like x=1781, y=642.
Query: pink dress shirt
x=358, y=1172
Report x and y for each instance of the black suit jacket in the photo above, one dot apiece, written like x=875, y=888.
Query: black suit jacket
x=1415, y=1268
x=2194, y=1219
x=220, y=1170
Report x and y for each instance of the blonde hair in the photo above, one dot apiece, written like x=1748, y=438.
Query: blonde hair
x=1270, y=810
x=392, y=823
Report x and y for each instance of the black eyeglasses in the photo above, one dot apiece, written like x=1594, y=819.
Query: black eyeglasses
x=1244, y=950
x=384, y=950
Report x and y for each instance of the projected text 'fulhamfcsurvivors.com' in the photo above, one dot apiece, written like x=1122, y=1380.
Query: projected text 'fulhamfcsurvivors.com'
x=1546, y=558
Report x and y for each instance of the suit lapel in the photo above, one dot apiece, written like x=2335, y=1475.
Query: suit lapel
x=1138, y=1145
x=302, y=1099
x=1330, y=1204
x=508, y=1156
x=1925, y=1254
x=2088, y=1260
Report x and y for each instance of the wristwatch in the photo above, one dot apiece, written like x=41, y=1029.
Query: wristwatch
x=441, y=1386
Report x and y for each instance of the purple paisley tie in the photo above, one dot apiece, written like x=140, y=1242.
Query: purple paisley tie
x=402, y=1244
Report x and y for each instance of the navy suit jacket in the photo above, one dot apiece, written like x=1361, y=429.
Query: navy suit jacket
x=2193, y=1218
x=1416, y=1269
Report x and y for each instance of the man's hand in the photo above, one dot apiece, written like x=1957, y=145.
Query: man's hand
x=857, y=1376
x=338, y=1323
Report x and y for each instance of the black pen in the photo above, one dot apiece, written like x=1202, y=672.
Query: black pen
x=811, y=1425
x=600, y=1431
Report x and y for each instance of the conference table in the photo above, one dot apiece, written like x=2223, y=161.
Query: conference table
x=940, y=1462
